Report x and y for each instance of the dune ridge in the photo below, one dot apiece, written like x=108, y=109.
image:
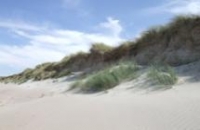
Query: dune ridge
x=43, y=99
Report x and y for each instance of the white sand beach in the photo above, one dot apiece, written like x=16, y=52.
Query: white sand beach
x=44, y=106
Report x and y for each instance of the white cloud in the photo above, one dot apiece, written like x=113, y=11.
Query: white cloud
x=27, y=56
x=113, y=26
x=177, y=7
x=45, y=44
x=19, y=25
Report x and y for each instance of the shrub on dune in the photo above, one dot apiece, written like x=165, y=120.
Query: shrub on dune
x=106, y=79
x=164, y=75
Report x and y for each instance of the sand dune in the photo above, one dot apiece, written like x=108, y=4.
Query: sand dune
x=44, y=106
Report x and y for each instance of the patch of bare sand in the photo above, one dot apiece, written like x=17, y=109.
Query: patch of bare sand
x=36, y=108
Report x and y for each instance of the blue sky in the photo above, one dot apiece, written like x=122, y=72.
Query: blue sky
x=37, y=31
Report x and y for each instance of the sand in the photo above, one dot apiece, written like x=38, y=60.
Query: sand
x=46, y=106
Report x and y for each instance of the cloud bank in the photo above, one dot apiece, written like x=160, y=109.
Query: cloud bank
x=45, y=44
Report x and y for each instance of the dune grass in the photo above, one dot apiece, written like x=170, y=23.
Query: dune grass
x=100, y=48
x=107, y=78
x=162, y=74
x=175, y=43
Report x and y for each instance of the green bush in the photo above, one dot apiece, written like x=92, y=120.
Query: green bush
x=62, y=73
x=100, y=48
x=163, y=75
x=107, y=78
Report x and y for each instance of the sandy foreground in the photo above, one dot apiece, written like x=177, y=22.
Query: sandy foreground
x=45, y=106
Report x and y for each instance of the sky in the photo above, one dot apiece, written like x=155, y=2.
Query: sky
x=37, y=31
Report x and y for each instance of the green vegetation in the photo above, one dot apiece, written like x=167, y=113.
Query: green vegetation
x=107, y=78
x=100, y=48
x=41, y=72
x=62, y=73
x=176, y=43
x=162, y=74
x=173, y=43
